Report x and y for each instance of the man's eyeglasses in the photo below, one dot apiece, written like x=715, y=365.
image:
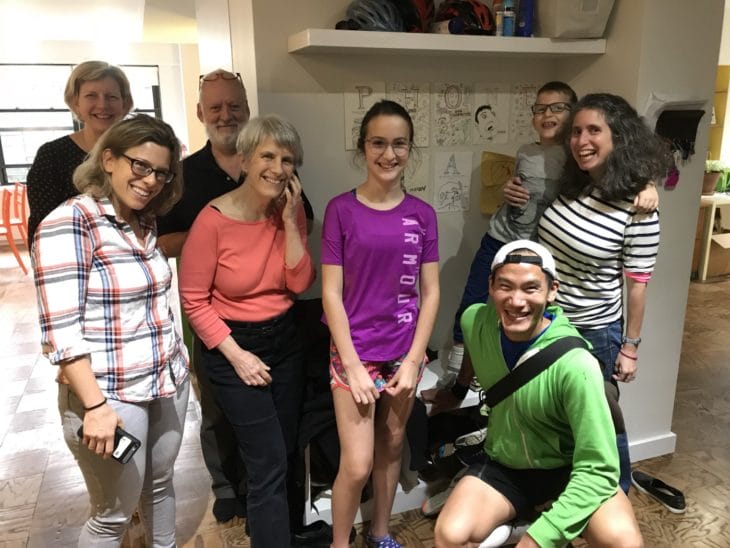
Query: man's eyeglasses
x=222, y=75
x=555, y=108
x=401, y=147
x=142, y=169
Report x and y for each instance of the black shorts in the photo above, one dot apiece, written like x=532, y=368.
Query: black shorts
x=525, y=489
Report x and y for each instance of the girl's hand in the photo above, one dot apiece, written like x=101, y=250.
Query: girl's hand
x=98, y=429
x=625, y=368
x=362, y=386
x=405, y=379
x=292, y=198
x=250, y=369
x=514, y=193
x=647, y=200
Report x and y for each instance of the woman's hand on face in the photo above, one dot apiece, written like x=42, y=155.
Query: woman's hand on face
x=514, y=193
x=625, y=368
x=362, y=386
x=405, y=380
x=98, y=429
x=251, y=370
x=292, y=198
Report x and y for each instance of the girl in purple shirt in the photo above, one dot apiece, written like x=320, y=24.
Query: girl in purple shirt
x=380, y=291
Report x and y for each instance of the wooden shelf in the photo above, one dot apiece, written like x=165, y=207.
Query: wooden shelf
x=371, y=42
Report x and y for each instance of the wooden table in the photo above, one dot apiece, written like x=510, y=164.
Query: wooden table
x=709, y=201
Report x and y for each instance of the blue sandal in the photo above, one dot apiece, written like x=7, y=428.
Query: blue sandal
x=381, y=542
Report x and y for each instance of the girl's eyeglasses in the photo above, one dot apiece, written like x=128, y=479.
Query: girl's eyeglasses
x=400, y=147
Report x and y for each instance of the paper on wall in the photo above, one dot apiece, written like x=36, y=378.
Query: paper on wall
x=358, y=100
x=452, y=179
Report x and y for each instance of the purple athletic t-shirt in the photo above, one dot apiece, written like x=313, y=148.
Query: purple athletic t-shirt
x=380, y=253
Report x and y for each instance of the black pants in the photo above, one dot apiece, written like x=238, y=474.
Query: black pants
x=264, y=419
x=217, y=439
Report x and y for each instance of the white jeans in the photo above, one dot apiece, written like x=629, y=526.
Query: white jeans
x=145, y=482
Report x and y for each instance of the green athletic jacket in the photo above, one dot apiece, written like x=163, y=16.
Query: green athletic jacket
x=559, y=418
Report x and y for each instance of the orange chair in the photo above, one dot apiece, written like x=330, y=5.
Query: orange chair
x=20, y=211
x=8, y=221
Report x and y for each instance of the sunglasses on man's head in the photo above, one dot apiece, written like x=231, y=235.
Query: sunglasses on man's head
x=213, y=76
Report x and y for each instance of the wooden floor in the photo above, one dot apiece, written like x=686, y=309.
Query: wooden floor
x=43, y=502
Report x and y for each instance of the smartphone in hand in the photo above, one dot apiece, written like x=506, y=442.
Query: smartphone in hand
x=125, y=444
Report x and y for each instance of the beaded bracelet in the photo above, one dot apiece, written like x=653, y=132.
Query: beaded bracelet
x=629, y=356
x=97, y=406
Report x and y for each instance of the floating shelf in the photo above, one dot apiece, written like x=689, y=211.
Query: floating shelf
x=372, y=42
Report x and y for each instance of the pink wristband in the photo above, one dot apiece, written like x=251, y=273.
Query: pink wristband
x=629, y=356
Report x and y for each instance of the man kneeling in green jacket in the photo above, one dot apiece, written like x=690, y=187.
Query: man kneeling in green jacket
x=552, y=439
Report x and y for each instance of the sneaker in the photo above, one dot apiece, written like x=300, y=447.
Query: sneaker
x=227, y=509
x=671, y=497
x=472, y=438
x=381, y=542
x=433, y=504
x=505, y=534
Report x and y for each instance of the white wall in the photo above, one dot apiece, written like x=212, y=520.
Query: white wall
x=653, y=45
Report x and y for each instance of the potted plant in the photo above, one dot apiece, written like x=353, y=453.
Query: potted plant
x=713, y=170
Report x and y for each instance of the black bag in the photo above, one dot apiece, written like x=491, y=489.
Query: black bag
x=538, y=363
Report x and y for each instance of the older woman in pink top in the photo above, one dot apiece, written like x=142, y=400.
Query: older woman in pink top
x=243, y=262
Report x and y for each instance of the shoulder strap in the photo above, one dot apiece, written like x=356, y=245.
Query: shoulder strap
x=531, y=368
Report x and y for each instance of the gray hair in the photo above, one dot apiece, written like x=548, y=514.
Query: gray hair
x=282, y=132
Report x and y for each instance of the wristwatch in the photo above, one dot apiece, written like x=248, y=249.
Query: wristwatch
x=629, y=340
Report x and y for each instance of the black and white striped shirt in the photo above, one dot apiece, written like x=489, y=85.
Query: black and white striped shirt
x=594, y=242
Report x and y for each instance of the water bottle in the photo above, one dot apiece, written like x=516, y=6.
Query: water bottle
x=508, y=18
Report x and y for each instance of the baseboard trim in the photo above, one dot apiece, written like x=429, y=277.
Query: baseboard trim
x=655, y=446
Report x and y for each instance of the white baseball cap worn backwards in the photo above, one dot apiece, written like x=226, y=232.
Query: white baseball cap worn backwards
x=542, y=257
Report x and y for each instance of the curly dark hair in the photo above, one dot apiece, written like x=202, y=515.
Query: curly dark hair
x=638, y=155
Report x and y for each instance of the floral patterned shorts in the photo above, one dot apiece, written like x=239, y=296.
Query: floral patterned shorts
x=380, y=372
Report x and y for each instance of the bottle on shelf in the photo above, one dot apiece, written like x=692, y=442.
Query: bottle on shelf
x=508, y=18
x=498, y=11
x=525, y=18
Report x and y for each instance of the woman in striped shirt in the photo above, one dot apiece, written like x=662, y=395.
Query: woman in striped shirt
x=598, y=238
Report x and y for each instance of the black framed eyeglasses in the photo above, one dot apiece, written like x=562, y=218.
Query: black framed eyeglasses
x=555, y=108
x=143, y=169
x=219, y=75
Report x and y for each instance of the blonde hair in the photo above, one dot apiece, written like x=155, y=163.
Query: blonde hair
x=91, y=178
x=93, y=71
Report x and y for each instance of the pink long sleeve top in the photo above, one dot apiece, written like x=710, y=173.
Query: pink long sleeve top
x=235, y=270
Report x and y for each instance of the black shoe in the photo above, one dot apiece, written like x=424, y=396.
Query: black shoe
x=671, y=497
x=242, y=512
x=226, y=509
x=317, y=534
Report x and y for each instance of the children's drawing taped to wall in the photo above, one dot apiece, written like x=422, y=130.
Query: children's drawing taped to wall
x=358, y=99
x=416, y=99
x=522, y=97
x=451, y=118
x=452, y=179
x=491, y=110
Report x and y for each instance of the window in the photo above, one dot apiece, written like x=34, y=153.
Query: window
x=32, y=111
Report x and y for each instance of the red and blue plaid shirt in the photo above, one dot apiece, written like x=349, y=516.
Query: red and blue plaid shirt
x=104, y=295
